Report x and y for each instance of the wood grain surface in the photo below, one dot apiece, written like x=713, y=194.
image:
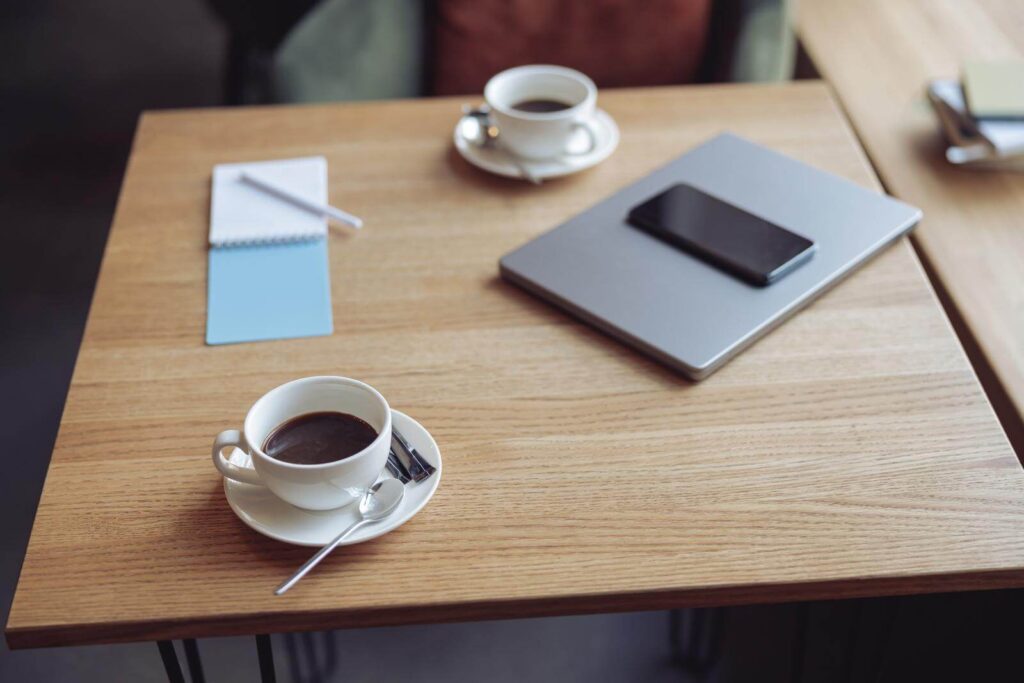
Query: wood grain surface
x=850, y=452
x=878, y=55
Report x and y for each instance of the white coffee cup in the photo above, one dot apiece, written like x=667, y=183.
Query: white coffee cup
x=313, y=487
x=541, y=135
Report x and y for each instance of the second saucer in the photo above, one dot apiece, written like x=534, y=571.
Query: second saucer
x=500, y=161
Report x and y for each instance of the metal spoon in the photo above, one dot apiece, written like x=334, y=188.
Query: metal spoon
x=379, y=502
x=477, y=129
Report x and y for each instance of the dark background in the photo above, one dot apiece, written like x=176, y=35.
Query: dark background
x=76, y=75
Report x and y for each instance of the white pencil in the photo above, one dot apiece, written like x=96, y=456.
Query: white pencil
x=301, y=202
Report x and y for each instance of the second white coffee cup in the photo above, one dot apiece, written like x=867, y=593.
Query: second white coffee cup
x=314, y=487
x=543, y=134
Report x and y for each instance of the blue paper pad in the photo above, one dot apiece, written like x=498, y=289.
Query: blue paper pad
x=274, y=291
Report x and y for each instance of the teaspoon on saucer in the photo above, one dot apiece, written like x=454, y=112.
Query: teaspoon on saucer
x=477, y=129
x=377, y=503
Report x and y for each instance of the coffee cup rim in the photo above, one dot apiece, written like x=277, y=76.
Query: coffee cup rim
x=257, y=450
x=588, y=101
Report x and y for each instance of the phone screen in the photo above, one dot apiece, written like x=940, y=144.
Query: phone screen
x=724, y=235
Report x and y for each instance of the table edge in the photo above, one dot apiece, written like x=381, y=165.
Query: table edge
x=487, y=610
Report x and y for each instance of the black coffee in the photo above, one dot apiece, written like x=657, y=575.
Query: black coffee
x=540, y=106
x=318, y=438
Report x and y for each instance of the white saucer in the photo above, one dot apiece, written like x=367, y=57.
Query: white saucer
x=271, y=516
x=497, y=161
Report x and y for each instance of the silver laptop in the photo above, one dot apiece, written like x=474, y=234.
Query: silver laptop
x=675, y=307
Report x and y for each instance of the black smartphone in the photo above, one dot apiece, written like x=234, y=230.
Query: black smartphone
x=724, y=235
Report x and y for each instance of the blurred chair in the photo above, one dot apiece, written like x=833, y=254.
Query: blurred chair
x=255, y=30
x=329, y=50
x=616, y=42
x=354, y=50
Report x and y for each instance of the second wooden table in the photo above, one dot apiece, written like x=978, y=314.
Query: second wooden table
x=879, y=56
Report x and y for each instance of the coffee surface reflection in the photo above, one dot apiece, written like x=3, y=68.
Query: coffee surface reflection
x=319, y=438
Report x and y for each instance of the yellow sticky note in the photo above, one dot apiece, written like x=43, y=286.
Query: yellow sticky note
x=995, y=89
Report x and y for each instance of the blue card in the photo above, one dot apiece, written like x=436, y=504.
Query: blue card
x=271, y=291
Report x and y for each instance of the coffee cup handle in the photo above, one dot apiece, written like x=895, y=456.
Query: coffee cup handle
x=232, y=438
x=587, y=127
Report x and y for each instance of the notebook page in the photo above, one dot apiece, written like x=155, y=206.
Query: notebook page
x=241, y=214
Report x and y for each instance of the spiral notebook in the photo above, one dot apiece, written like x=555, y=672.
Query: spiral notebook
x=268, y=269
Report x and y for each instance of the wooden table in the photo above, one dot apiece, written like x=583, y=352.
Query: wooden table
x=879, y=55
x=849, y=453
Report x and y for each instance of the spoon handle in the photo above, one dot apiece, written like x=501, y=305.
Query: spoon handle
x=524, y=172
x=320, y=554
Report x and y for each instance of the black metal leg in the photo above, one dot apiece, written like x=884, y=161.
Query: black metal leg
x=868, y=639
x=266, y=655
x=170, y=659
x=318, y=655
x=696, y=637
x=195, y=664
x=796, y=671
x=309, y=650
x=890, y=608
x=853, y=639
x=675, y=626
x=293, y=657
x=330, y=655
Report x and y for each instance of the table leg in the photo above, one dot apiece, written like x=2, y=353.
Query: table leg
x=266, y=654
x=798, y=651
x=170, y=659
x=890, y=608
x=195, y=664
x=308, y=660
x=695, y=637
